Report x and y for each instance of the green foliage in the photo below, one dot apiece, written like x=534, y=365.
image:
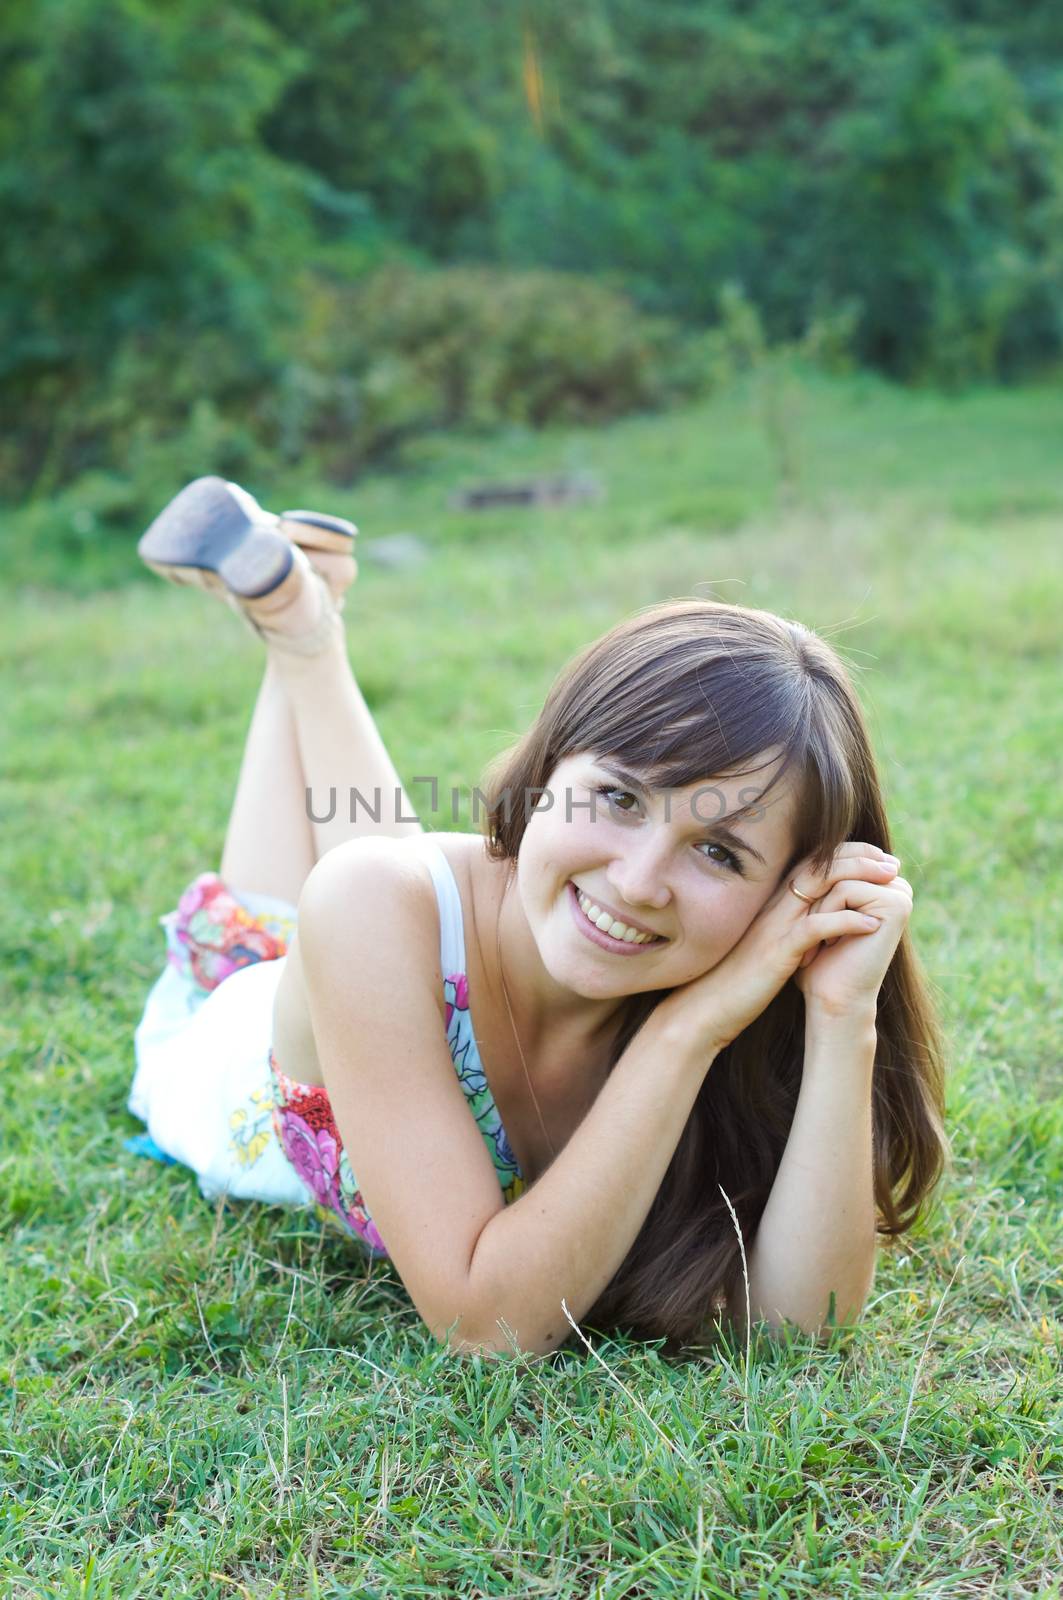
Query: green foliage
x=135, y=190
x=405, y=111
x=404, y=351
x=882, y=153
x=148, y=232
x=937, y=211
x=741, y=347
x=176, y=181
x=374, y=365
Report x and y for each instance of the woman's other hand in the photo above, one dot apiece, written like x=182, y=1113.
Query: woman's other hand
x=842, y=974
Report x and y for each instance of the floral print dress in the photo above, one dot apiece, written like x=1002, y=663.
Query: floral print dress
x=251, y=1131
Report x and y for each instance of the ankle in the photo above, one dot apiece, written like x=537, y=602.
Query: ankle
x=300, y=616
x=339, y=569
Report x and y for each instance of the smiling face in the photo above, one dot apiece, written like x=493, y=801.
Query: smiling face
x=650, y=860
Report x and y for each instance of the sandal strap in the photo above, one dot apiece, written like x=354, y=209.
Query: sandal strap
x=321, y=519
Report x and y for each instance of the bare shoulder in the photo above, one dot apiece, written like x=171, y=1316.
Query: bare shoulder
x=363, y=862
x=381, y=862
x=373, y=900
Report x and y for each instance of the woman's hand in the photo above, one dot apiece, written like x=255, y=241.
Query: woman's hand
x=786, y=939
x=843, y=974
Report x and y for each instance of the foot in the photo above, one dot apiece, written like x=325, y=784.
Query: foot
x=338, y=570
x=299, y=616
x=210, y=516
x=216, y=536
x=214, y=539
x=328, y=542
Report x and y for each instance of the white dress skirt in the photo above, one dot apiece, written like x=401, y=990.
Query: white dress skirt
x=203, y=1082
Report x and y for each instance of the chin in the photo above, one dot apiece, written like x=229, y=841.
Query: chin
x=597, y=983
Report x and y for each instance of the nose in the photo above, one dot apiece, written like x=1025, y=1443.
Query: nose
x=638, y=874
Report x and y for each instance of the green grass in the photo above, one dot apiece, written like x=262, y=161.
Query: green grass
x=228, y=1402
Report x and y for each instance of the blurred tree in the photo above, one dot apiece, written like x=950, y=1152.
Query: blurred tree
x=931, y=216
x=138, y=201
x=907, y=157
x=400, y=109
x=178, y=182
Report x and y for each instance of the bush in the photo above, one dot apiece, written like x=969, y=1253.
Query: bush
x=405, y=351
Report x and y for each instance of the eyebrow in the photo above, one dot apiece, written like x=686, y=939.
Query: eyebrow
x=719, y=830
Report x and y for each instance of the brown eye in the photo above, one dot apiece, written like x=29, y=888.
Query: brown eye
x=624, y=794
x=729, y=859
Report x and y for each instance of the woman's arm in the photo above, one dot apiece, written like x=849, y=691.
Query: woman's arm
x=816, y=1237
x=567, y=1235
x=574, y=1227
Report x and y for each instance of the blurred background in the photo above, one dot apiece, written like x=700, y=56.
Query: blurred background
x=291, y=241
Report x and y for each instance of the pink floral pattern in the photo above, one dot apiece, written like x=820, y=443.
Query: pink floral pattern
x=460, y=992
x=306, y=1128
x=211, y=935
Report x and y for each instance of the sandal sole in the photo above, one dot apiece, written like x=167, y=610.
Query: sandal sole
x=205, y=538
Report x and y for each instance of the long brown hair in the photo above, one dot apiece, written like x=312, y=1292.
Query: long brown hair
x=683, y=691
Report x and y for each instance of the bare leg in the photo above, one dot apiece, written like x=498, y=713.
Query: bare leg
x=269, y=844
x=341, y=749
x=311, y=729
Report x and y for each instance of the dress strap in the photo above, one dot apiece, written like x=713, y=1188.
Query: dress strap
x=451, y=924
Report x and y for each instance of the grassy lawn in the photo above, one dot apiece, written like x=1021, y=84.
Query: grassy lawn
x=227, y=1402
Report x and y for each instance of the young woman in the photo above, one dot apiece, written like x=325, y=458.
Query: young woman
x=539, y=1068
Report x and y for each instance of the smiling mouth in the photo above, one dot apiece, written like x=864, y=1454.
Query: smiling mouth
x=634, y=940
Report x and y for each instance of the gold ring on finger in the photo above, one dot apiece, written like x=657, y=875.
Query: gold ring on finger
x=807, y=898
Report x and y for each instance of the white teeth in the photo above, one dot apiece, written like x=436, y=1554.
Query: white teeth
x=608, y=924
